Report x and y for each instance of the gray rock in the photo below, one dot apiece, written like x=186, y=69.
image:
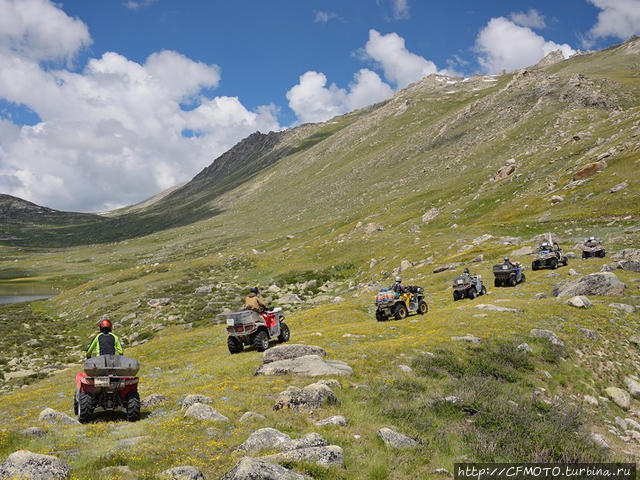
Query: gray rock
x=256, y=469
x=546, y=334
x=430, y=214
x=153, y=400
x=310, y=397
x=338, y=420
x=632, y=254
x=623, y=307
x=50, y=415
x=495, y=308
x=307, y=441
x=590, y=334
x=630, y=265
x=291, y=350
x=195, y=398
x=373, y=227
x=618, y=187
x=405, y=265
x=158, y=302
x=601, y=283
x=325, y=456
x=579, y=301
x=573, y=273
x=27, y=465
x=185, y=472
x=521, y=252
x=632, y=424
x=200, y=411
x=405, y=368
x=309, y=365
x=598, y=440
x=635, y=339
x=264, y=439
x=570, y=255
x=633, y=386
x=524, y=347
x=442, y=471
x=252, y=417
x=290, y=298
x=33, y=432
x=204, y=289
x=467, y=338
x=394, y=439
x=478, y=259
x=591, y=400
x=449, y=266
x=557, y=199
x=331, y=383
x=619, y=397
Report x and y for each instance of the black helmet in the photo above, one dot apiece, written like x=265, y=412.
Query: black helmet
x=254, y=290
x=466, y=270
x=506, y=259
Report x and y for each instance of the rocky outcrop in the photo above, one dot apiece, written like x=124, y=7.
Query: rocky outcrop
x=619, y=397
x=430, y=214
x=394, y=439
x=200, y=411
x=601, y=283
x=24, y=464
x=308, y=398
x=589, y=170
x=291, y=350
x=579, y=301
x=308, y=365
x=195, y=398
x=547, y=335
x=153, y=400
x=185, y=472
x=49, y=415
x=255, y=469
x=550, y=58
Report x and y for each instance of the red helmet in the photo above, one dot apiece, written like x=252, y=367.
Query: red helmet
x=105, y=323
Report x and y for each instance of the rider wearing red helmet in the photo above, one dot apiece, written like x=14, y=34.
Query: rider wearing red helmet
x=105, y=343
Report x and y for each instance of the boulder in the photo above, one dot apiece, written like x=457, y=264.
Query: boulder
x=467, y=338
x=495, y=308
x=310, y=397
x=547, y=335
x=443, y=268
x=629, y=254
x=394, y=439
x=633, y=386
x=589, y=170
x=373, y=227
x=579, y=301
x=195, y=398
x=33, y=432
x=629, y=265
x=557, y=199
x=338, y=420
x=185, y=472
x=24, y=464
x=521, y=252
x=158, y=302
x=200, y=411
x=255, y=469
x=601, y=283
x=623, y=307
x=430, y=214
x=590, y=334
x=248, y=417
x=50, y=415
x=290, y=298
x=291, y=350
x=264, y=439
x=308, y=365
x=573, y=273
x=618, y=187
x=504, y=172
x=326, y=456
x=153, y=400
x=405, y=265
x=619, y=397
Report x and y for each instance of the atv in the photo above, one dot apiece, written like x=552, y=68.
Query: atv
x=469, y=286
x=390, y=304
x=108, y=382
x=507, y=274
x=255, y=329
x=593, y=248
x=549, y=257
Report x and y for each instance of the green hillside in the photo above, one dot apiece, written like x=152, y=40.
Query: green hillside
x=491, y=160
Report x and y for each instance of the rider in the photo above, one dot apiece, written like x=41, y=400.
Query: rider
x=466, y=271
x=398, y=287
x=254, y=302
x=105, y=343
x=509, y=262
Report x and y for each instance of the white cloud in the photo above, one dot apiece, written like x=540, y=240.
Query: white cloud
x=400, y=9
x=111, y=134
x=138, y=4
x=533, y=19
x=399, y=65
x=503, y=44
x=617, y=18
x=325, y=17
x=313, y=101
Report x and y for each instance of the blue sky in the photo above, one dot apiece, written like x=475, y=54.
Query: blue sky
x=105, y=103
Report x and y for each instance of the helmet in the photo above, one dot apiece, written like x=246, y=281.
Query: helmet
x=466, y=270
x=254, y=290
x=398, y=280
x=105, y=323
x=506, y=259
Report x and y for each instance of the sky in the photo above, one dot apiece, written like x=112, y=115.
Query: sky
x=104, y=103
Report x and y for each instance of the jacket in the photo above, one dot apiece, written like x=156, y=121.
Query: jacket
x=105, y=344
x=254, y=302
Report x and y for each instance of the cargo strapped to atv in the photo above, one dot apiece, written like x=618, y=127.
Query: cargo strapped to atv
x=116, y=365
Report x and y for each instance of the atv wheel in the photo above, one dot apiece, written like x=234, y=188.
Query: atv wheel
x=472, y=293
x=400, y=311
x=602, y=253
x=285, y=334
x=456, y=295
x=523, y=278
x=422, y=307
x=565, y=261
x=85, y=407
x=496, y=282
x=534, y=266
x=234, y=345
x=483, y=291
x=261, y=341
x=133, y=407
x=584, y=255
x=513, y=281
x=380, y=316
x=553, y=263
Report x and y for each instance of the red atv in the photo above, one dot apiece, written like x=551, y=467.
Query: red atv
x=108, y=382
x=255, y=329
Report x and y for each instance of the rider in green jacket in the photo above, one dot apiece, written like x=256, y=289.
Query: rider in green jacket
x=105, y=343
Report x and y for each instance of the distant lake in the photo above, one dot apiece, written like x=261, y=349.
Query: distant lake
x=23, y=293
x=7, y=299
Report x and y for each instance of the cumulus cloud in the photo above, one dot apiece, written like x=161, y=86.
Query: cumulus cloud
x=503, y=44
x=325, y=17
x=533, y=19
x=617, y=18
x=400, y=9
x=399, y=65
x=313, y=101
x=114, y=132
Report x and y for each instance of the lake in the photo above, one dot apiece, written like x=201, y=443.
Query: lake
x=23, y=293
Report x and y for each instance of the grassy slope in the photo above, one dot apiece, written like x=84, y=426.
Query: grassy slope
x=388, y=166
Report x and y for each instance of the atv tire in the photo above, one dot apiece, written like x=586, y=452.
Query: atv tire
x=285, y=334
x=534, y=266
x=565, y=261
x=133, y=407
x=75, y=404
x=585, y=255
x=602, y=254
x=261, y=341
x=380, y=316
x=423, y=308
x=472, y=294
x=483, y=290
x=234, y=345
x=496, y=282
x=513, y=281
x=400, y=311
x=523, y=278
x=553, y=263
x=85, y=407
x=456, y=295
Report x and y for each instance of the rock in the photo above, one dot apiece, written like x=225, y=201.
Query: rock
x=629, y=254
x=600, y=284
x=591, y=400
x=264, y=439
x=330, y=382
x=557, y=199
x=442, y=471
x=609, y=267
x=430, y=214
x=495, y=308
x=633, y=386
x=629, y=265
x=589, y=170
x=326, y=456
x=153, y=400
x=195, y=398
x=373, y=263
x=598, y=440
x=572, y=272
x=185, y=472
x=632, y=424
x=618, y=187
x=405, y=265
x=255, y=469
x=24, y=464
x=291, y=350
x=521, y=252
x=290, y=298
x=449, y=266
x=158, y=302
x=338, y=420
x=524, y=347
x=547, y=335
x=619, y=397
x=308, y=365
x=129, y=443
x=248, y=417
x=309, y=284
x=290, y=237
x=394, y=439
x=467, y=338
x=373, y=227
x=273, y=289
x=50, y=415
x=590, y=334
x=504, y=172
x=540, y=296
x=204, y=289
x=481, y=239
x=310, y=397
x=635, y=339
x=121, y=472
x=200, y=411
x=623, y=307
x=32, y=432
x=478, y=259
x=405, y=368
x=571, y=255
x=337, y=299
x=579, y=302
